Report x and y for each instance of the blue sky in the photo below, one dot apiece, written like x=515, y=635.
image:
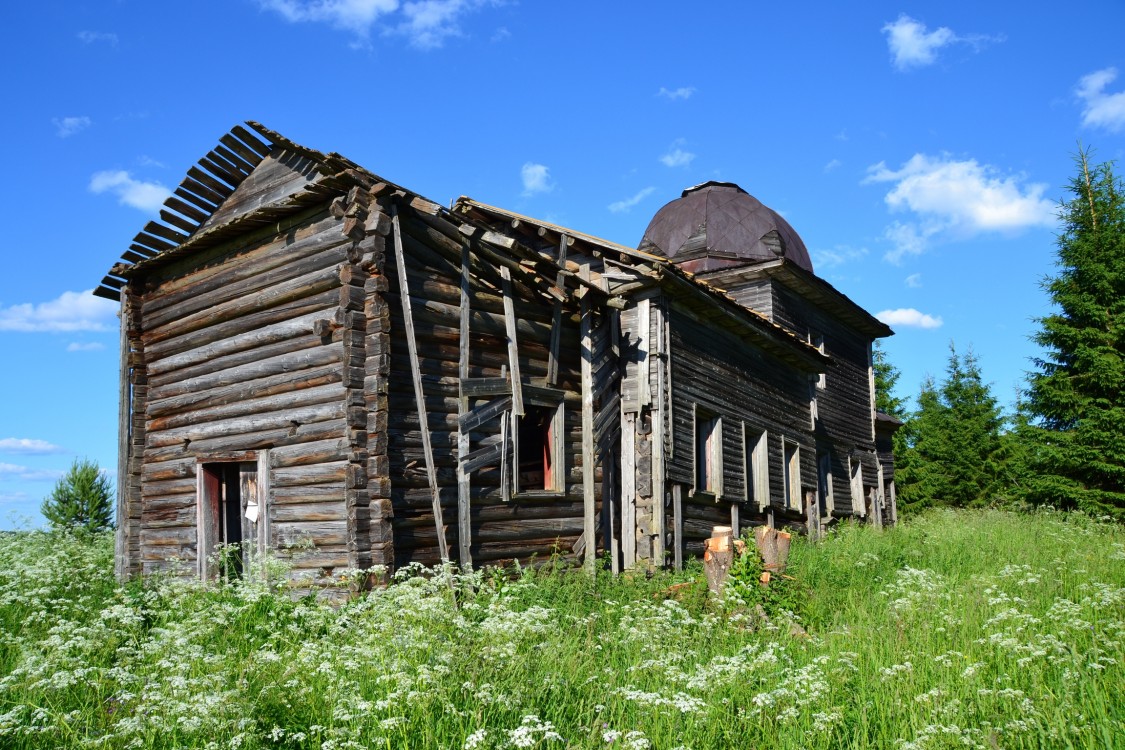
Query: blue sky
x=918, y=148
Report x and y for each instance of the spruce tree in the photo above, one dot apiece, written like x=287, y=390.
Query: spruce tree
x=82, y=499
x=952, y=446
x=886, y=377
x=1077, y=393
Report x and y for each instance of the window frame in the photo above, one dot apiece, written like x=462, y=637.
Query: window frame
x=756, y=465
x=213, y=513
x=712, y=423
x=542, y=398
x=791, y=474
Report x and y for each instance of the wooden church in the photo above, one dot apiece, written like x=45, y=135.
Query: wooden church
x=319, y=363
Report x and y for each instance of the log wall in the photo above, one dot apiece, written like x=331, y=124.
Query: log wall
x=713, y=370
x=500, y=529
x=238, y=358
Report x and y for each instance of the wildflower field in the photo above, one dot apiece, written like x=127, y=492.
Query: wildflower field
x=985, y=629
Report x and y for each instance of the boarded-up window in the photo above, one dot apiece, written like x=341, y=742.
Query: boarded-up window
x=791, y=470
x=859, y=507
x=708, y=452
x=824, y=495
x=757, y=467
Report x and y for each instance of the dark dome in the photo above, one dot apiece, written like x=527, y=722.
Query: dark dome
x=719, y=224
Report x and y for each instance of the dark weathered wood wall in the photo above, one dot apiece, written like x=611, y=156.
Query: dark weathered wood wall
x=844, y=404
x=235, y=364
x=744, y=386
x=520, y=527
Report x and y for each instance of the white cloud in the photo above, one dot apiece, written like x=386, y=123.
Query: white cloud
x=148, y=161
x=914, y=280
x=500, y=34
x=834, y=164
x=676, y=156
x=837, y=256
x=425, y=23
x=15, y=471
x=909, y=317
x=70, y=311
x=624, y=205
x=1101, y=110
x=146, y=196
x=13, y=497
x=68, y=126
x=28, y=446
x=89, y=37
x=684, y=92
x=911, y=45
x=536, y=179
x=957, y=198
x=88, y=346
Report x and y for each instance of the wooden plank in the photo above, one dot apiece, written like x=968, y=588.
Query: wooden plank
x=644, y=351
x=482, y=413
x=659, y=417
x=489, y=455
x=678, y=525
x=479, y=387
x=248, y=138
x=629, y=491
x=556, y=318
x=124, y=421
x=513, y=347
x=464, y=490
x=589, y=502
x=416, y=373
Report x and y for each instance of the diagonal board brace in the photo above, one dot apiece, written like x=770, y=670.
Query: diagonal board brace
x=419, y=395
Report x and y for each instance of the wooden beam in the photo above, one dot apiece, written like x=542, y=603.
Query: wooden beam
x=589, y=504
x=629, y=491
x=464, y=523
x=556, y=316
x=513, y=346
x=678, y=525
x=416, y=374
x=124, y=420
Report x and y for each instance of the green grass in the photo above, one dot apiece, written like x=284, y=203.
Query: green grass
x=981, y=629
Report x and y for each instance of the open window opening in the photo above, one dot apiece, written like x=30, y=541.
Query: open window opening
x=539, y=454
x=757, y=467
x=229, y=517
x=791, y=470
x=708, y=452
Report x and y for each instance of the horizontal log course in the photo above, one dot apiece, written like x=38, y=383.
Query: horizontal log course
x=303, y=454
x=253, y=339
x=177, y=468
x=245, y=425
x=180, y=486
x=231, y=262
x=324, y=473
x=302, y=433
x=173, y=516
x=238, y=307
x=290, y=361
x=319, y=533
x=325, y=302
x=329, y=510
x=223, y=289
x=293, y=399
x=261, y=387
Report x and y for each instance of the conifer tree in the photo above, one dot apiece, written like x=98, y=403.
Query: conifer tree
x=886, y=377
x=1077, y=393
x=952, y=446
x=82, y=498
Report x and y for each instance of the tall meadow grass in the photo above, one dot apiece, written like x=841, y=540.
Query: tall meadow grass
x=984, y=629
